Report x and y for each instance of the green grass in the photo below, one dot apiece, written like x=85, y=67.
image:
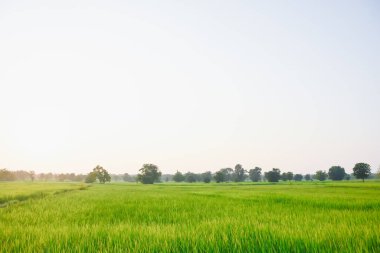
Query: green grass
x=11, y=192
x=302, y=217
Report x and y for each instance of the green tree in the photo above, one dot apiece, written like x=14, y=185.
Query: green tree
x=127, y=178
x=289, y=175
x=362, y=170
x=298, y=177
x=190, y=177
x=307, y=177
x=255, y=174
x=178, y=177
x=149, y=174
x=91, y=177
x=239, y=173
x=79, y=177
x=220, y=176
x=336, y=173
x=102, y=174
x=320, y=175
x=273, y=176
x=228, y=174
x=206, y=177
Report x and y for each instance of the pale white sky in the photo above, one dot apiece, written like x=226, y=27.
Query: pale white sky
x=189, y=85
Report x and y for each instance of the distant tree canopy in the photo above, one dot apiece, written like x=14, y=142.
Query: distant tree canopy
x=273, y=176
x=223, y=175
x=178, y=177
x=98, y=173
x=127, y=178
x=190, y=177
x=6, y=175
x=206, y=176
x=239, y=173
x=284, y=177
x=228, y=174
x=149, y=174
x=102, y=174
x=298, y=177
x=287, y=176
x=91, y=177
x=219, y=176
x=307, y=177
x=336, y=173
x=32, y=175
x=320, y=175
x=362, y=170
x=255, y=174
x=24, y=175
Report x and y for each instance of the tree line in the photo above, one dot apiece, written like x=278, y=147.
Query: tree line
x=22, y=175
x=239, y=174
x=150, y=173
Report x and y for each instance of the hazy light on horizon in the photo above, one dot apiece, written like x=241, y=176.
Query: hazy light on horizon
x=189, y=86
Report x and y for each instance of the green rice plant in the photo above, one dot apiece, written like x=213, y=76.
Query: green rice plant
x=259, y=217
x=12, y=192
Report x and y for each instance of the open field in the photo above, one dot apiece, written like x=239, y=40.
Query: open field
x=304, y=217
x=11, y=192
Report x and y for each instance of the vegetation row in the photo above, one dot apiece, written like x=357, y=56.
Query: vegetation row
x=150, y=173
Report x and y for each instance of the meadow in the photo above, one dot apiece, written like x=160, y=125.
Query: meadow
x=168, y=217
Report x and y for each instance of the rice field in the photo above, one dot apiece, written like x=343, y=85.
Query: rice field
x=288, y=217
x=11, y=192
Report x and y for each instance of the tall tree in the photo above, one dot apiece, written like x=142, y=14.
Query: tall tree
x=149, y=174
x=101, y=174
x=298, y=177
x=307, y=177
x=206, y=176
x=178, y=177
x=190, y=177
x=91, y=177
x=273, y=176
x=284, y=176
x=239, y=173
x=220, y=176
x=336, y=173
x=320, y=175
x=255, y=174
x=362, y=170
x=289, y=175
x=228, y=174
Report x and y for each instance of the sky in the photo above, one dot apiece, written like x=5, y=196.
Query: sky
x=189, y=85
